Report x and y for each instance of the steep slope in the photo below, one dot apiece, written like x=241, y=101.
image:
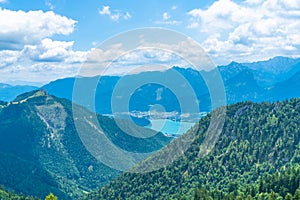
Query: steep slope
x=41, y=150
x=258, y=148
x=9, y=92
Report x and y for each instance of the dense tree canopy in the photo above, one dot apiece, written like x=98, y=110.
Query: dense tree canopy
x=257, y=156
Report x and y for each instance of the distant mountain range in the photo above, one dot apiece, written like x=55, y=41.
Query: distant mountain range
x=9, y=92
x=275, y=70
x=261, y=81
x=41, y=151
x=286, y=89
x=258, y=81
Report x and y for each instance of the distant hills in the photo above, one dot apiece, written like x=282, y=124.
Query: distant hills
x=41, y=151
x=257, y=156
x=266, y=73
x=258, y=81
x=286, y=89
x=9, y=92
x=274, y=70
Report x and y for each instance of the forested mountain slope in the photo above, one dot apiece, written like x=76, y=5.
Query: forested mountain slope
x=41, y=151
x=257, y=156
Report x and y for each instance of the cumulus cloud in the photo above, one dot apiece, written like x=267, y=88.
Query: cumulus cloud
x=149, y=55
x=22, y=28
x=8, y=57
x=114, y=15
x=27, y=51
x=117, y=61
x=43, y=62
x=54, y=51
x=249, y=30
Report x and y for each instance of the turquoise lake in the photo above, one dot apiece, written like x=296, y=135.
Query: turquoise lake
x=167, y=126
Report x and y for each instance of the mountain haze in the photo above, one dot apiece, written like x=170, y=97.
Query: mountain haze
x=258, y=81
x=9, y=92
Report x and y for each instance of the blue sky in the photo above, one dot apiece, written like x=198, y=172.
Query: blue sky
x=93, y=27
x=43, y=40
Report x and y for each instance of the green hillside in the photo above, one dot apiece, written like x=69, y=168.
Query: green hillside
x=256, y=157
x=5, y=195
x=41, y=151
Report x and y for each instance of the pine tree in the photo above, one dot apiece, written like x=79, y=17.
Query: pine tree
x=51, y=196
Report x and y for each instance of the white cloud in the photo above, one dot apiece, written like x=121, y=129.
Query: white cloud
x=166, y=16
x=109, y=62
x=42, y=62
x=48, y=50
x=166, y=20
x=22, y=28
x=119, y=59
x=3, y=1
x=8, y=57
x=249, y=30
x=114, y=15
x=105, y=10
x=49, y=59
x=53, y=51
x=27, y=51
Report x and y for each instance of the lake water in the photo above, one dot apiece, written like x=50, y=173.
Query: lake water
x=167, y=126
